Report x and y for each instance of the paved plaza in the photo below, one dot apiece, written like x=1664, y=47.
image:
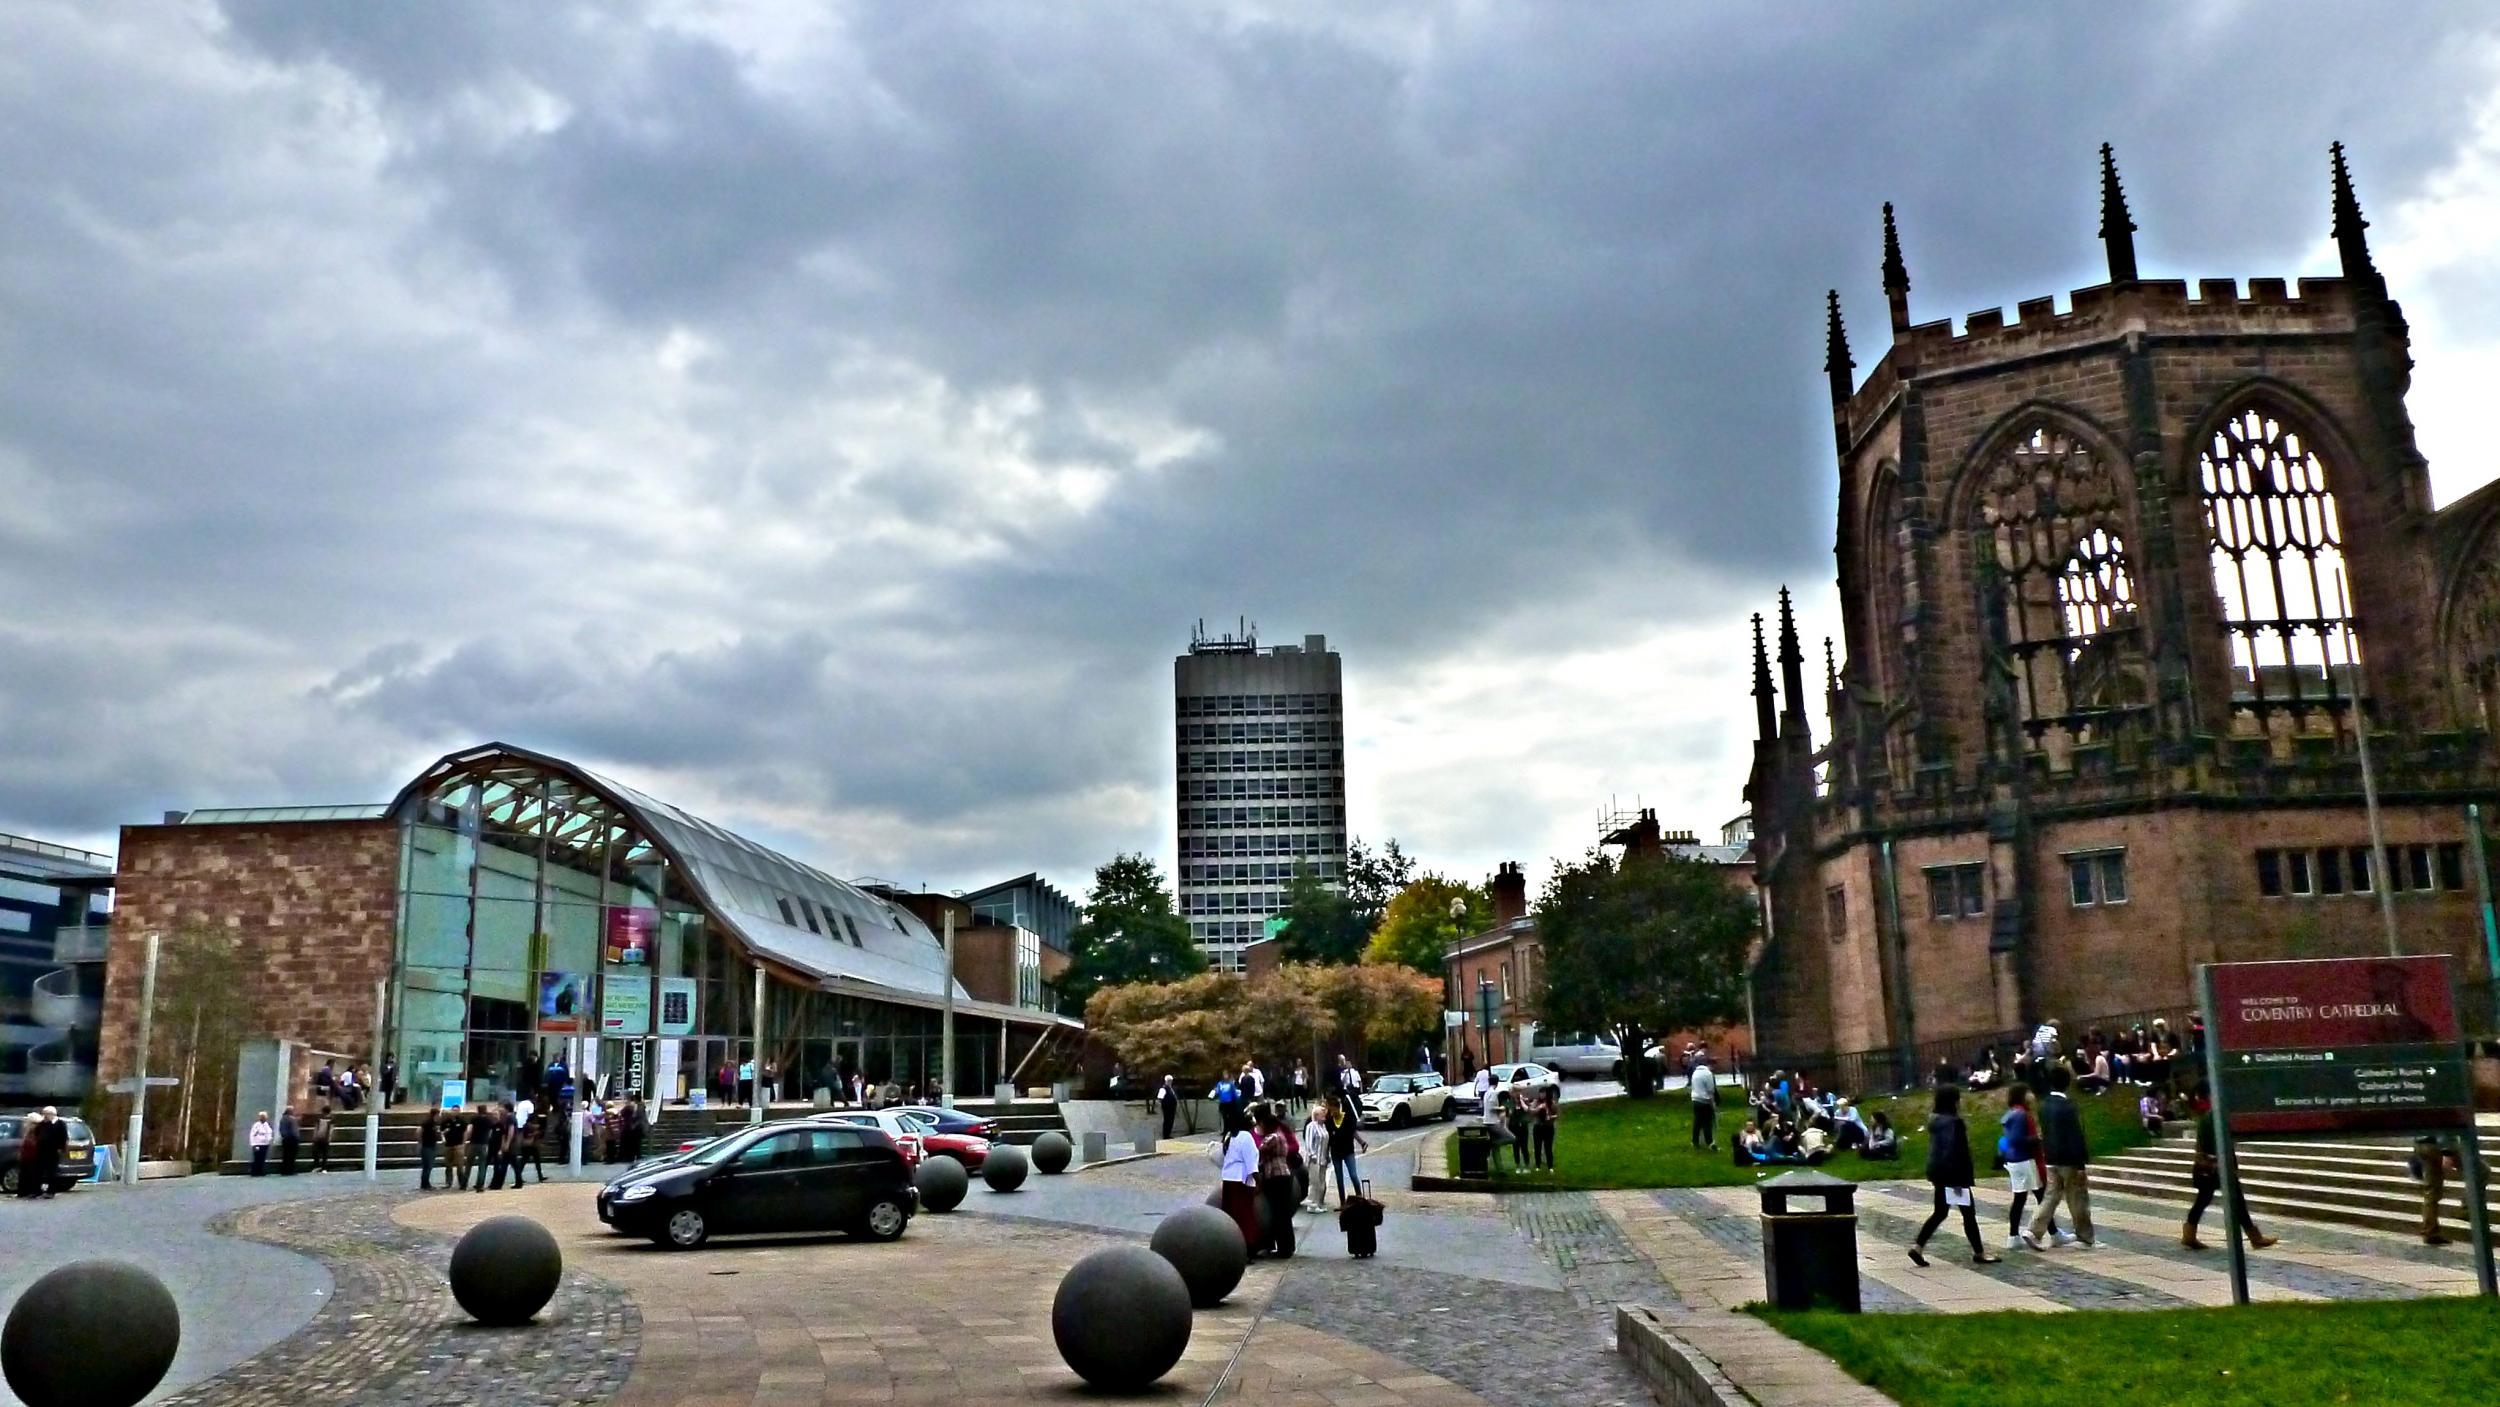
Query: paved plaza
x=330, y=1289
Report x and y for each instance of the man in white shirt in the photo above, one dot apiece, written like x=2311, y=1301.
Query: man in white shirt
x=1241, y=1184
x=1484, y=1092
x=1704, y=1087
x=521, y=1144
x=1253, y=1081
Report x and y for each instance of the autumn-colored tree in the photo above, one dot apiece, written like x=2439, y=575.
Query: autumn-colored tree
x=1416, y=928
x=1200, y=1027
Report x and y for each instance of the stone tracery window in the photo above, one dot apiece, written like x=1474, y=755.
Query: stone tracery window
x=2052, y=523
x=2278, y=557
x=2474, y=641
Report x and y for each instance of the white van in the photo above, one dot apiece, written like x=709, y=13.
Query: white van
x=1594, y=1055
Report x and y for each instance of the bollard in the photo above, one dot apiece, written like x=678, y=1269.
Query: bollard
x=1097, y=1146
x=373, y=1146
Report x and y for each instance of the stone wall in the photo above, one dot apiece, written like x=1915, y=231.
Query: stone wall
x=315, y=902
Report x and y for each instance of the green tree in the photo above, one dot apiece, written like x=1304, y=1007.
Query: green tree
x=1416, y=929
x=1331, y=922
x=1130, y=933
x=1642, y=949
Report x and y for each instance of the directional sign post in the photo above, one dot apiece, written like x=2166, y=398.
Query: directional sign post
x=2337, y=1045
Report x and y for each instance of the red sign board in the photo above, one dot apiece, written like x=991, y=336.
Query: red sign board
x=629, y=936
x=2338, y=1045
x=2332, y=1002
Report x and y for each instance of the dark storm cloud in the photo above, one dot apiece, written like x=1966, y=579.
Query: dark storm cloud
x=852, y=407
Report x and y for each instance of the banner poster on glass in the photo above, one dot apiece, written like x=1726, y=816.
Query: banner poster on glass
x=563, y=1003
x=2338, y=1046
x=677, y=1010
x=634, y=1068
x=629, y=936
x=624, y=1002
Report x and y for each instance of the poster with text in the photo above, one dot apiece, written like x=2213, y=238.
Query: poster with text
x=630, y=934
x=563, y=1002
x=677, y=1006
x=625, y=1002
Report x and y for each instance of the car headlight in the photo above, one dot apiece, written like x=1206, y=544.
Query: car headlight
x=641, y=1193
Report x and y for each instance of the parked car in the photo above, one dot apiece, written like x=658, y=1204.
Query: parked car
x=916, y=1136
x=77, y=1160
x=1399, y=1100
x=954, y=1120
x=1539, y=1078
x=1588, y=1054
x=967, y=1143
x=801, y=1176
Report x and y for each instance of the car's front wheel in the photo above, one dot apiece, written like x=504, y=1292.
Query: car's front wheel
x=1449, y=1110
x=1400, y=1117
x=684, y=1230
x=885, y=1220
x=8, y=1182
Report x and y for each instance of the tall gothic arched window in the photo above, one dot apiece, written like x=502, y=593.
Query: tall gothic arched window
x=2278, y=556
x=2474, y=641
x=2053, y=527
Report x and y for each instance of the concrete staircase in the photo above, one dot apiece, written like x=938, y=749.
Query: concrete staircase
x=2351, y=1181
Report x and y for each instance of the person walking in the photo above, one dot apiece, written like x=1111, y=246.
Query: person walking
x=1276, y=1181
x=2435, y=1156
x=521, y=1138
x=1949, y=1173
x=498, y=1146
x=321, y=1131
x=263, y=1133
x=29, y=1153
x=1315, y=1154
x=1168, y=1100
x=481, y=1147
x=1346, y=1144
x=455, y=1151
x=2018, y=1148
x=1238, y=1161
x=429, y=1143
x=290, y=1138
x=2069, y=1158
x=1349, y=1079
x=1703, y=1085
x=1541, y=1128
x=2206, y=1176
x=635, y=1123
x=1228, y=1104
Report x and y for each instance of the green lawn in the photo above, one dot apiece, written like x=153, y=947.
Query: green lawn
x=2374, y=1352
x=1648, y=1142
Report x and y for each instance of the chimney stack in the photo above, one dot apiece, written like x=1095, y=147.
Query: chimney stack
x=1510, y=894
x=1642, y=838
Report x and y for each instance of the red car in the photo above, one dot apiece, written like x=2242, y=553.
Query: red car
x=918, y=1128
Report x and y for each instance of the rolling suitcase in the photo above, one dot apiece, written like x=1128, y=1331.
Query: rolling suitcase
x=1359, y=1219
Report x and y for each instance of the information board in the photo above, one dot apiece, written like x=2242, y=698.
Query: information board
x=2339, y=1045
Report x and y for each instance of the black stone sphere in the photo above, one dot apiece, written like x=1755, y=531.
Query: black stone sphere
x=505, y=1269
x=1005, y=1168
x=94, y=1333
x=942, y=1183
x=1205, y=1247
x=1051, y=1152
x=1121, y=1318
x=1267, y=1219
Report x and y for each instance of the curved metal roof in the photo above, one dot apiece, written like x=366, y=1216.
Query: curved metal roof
x=761, y=896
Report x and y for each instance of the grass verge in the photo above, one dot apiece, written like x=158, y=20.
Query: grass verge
x=2281, y=1355
x=1648, y=1142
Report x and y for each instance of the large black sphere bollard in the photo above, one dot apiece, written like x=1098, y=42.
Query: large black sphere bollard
x=942, y=1183
x=1005, y=1168
x=505, y=1269
x=1205, y=1246
x=1051, y=1153
x=94, y=1333
x=1121, y=1318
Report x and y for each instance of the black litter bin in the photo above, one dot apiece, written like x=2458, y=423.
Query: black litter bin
x=1810, y=1241
x=1475, y=1150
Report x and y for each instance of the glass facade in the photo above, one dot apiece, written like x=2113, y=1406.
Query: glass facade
x=543, y=911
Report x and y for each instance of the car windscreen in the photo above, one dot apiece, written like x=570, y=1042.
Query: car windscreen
x=1391, y=1084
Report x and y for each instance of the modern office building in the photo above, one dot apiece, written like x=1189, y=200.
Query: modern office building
x=508, y=904
x=55, y=901
x=1259, y=744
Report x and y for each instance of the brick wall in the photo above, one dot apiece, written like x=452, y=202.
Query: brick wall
x=316, y=902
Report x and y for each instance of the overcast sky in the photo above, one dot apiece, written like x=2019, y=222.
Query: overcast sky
x=832, y=418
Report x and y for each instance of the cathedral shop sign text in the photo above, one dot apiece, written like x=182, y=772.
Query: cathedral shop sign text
x=2339, y=1045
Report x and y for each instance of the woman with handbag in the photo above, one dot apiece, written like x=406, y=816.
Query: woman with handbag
x=1949, y=1172
x=1237, y=1154
x=1276, y=1180
x=2206, y=1176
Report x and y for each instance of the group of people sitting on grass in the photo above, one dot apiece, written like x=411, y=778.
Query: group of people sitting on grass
x=1790, y=1121
x=2142, y=1055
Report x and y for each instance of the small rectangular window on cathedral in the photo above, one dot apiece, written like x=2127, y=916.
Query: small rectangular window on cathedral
x=2270, y=873
x=2099, y=877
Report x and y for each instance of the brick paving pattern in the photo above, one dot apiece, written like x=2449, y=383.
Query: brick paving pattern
x=391, y=1334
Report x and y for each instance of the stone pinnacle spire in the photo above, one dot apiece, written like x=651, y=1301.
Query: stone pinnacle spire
x=2350, y=242
x=1764, y=706
x=1792, y=667
x=1896, y=274
x=2117, y=229
x=1836, y=362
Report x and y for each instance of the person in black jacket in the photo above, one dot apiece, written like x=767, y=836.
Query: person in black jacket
x=1168, y=1100
x=429, y=1138
x=1949, y=1171
x=2206, y=1176
x=290, y=1138
x=486, y=1145
x=2070, y=1180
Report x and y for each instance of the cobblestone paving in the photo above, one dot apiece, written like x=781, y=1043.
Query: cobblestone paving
x=1600, y=1267
x=392, y=1336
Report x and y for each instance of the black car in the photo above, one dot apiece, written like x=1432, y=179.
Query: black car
x=77, y=1160
x=781, y=1177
